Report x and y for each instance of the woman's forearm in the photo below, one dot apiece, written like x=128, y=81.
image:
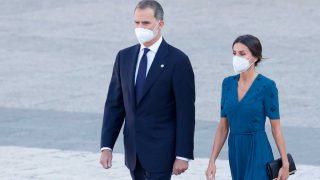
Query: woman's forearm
x=279, y=139
x=219, y=140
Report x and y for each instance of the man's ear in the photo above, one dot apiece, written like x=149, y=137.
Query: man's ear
x=161, y=24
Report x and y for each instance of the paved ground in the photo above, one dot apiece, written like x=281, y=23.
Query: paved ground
x=34, y=163
x=56, y=60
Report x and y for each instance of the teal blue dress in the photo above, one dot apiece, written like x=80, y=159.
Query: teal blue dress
x=249, y=148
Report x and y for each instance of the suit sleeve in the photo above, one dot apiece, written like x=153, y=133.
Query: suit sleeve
x=184, y=93
x=114, y=111
x=223, y=113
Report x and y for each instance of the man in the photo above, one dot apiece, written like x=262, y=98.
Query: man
x=152, y=90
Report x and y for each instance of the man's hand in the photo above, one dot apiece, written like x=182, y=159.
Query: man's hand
x=106, y=159
x=179, y=166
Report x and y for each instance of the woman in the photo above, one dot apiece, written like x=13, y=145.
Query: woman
x=247, y=99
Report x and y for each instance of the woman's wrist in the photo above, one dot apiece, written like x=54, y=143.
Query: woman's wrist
x=212, y=161
x=285, y=164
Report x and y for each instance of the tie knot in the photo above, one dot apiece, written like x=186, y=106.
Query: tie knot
x=145, y=51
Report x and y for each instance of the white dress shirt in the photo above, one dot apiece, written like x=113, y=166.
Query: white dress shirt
x=150, y=56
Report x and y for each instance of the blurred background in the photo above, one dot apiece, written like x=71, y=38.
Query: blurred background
x=56, y=59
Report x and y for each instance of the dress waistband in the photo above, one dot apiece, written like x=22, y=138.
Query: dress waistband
x=248, y=133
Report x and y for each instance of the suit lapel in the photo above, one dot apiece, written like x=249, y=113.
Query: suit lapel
x=132, y=70
x=157, y=67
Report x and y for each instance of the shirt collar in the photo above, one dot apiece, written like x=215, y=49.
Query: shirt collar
x=154, y=48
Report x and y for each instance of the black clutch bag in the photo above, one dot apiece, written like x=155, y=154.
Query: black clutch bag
x=274, y=166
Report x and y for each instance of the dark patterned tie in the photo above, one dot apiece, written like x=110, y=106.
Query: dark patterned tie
x=141, y=76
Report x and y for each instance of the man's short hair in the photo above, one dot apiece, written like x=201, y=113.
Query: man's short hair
x=157, y=8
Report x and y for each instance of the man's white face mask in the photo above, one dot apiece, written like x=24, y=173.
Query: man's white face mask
x=146, y=35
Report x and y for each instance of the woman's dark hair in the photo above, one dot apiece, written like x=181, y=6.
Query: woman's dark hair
x=253, y=45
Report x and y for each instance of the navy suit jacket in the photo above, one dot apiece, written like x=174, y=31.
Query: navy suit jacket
x=161, y=125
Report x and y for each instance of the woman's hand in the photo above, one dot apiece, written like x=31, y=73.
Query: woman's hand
x=211, y=171
x=283, y=173
x=219, y=139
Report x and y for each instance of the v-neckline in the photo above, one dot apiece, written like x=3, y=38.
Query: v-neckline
x=237, y=91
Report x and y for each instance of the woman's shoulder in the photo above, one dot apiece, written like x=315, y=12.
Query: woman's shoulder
x=228, y=79
x=266, y=80
x=228, y=82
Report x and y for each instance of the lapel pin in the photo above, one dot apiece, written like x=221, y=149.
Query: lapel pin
x=162, y=66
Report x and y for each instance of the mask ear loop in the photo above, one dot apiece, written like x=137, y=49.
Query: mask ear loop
x=158, y=24
x=252, y=63
x=249, y=65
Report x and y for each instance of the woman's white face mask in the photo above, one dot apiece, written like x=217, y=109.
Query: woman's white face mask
x=241, y=64
x=145, y=35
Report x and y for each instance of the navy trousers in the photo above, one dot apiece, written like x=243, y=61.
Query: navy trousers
x=139, y=173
